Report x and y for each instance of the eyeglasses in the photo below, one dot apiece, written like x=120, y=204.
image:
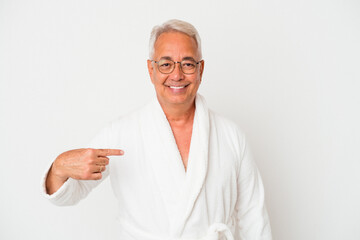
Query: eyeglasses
x=167, y=66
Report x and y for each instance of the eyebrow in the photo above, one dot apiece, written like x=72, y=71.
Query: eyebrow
x=189, y=58
x=184, y=58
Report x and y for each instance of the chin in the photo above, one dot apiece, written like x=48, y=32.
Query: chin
x=178, y=100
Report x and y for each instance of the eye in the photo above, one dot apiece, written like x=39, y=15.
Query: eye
x=188, y=64
x=165, y=64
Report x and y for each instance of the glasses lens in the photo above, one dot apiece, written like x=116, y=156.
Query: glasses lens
x=166, y=66
x=188, y=66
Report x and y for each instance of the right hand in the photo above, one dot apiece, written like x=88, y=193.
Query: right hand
x=83, y=164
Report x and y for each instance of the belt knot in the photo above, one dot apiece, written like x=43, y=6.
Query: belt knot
x=215, y=231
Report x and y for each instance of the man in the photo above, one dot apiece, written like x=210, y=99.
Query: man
x=184, y=172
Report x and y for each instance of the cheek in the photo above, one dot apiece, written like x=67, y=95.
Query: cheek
x=158, y=79
x=197, y=80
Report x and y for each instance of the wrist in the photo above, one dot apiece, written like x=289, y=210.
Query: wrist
x=56, y=173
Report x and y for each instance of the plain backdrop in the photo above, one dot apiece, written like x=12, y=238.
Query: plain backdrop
x=286, y=71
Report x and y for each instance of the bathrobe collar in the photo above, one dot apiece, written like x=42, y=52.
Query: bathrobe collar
x=179, y=189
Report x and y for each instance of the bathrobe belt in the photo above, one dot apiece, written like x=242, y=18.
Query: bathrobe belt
x=213, y=233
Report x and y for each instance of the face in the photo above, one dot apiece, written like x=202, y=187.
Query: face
x=175, y=88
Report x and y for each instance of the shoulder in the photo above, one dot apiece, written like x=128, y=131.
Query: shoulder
x=121, y=127
x=228, y=130
x=226, y=125
x=131, y=119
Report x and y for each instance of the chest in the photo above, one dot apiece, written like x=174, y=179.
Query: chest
x=183, y=140
x=149, y=178
x=159, y=182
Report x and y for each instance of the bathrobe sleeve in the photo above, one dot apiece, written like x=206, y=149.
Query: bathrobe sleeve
x=252, y=218
x=72, y=191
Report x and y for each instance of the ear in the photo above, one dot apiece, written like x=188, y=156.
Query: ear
x=202, y=64
x=150, y=69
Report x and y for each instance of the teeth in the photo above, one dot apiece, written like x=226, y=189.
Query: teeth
x=176, y=87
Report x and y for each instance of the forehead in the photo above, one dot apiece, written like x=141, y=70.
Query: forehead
x=175, y=45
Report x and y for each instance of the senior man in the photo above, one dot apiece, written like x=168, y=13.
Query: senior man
x=184, y=171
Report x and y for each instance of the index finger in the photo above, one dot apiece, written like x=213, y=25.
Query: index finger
x=110, y=152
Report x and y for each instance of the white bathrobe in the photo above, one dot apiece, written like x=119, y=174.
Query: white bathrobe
x=220, y=196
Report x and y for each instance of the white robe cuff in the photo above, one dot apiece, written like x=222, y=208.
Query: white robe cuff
x=60, y=195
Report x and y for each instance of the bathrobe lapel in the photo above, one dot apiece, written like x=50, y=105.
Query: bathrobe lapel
x=162, y=157
x=179, y=189
x=197, y=166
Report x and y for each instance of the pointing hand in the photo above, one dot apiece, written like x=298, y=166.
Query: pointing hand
x=83, y=164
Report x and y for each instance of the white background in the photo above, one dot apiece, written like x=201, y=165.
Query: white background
x=286, y=71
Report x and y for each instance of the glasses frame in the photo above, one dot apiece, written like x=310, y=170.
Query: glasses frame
x=157, y=63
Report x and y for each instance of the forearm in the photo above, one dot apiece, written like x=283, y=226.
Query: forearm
x=53, y=182
x=68, y=192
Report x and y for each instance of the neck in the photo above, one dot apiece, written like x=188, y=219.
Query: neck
x=180, y=113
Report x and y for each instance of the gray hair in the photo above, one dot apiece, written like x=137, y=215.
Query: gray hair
x=173, y=25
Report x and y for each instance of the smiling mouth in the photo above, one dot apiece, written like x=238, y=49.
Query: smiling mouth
x=178, y=87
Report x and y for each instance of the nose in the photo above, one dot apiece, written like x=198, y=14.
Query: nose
x=177, y=73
